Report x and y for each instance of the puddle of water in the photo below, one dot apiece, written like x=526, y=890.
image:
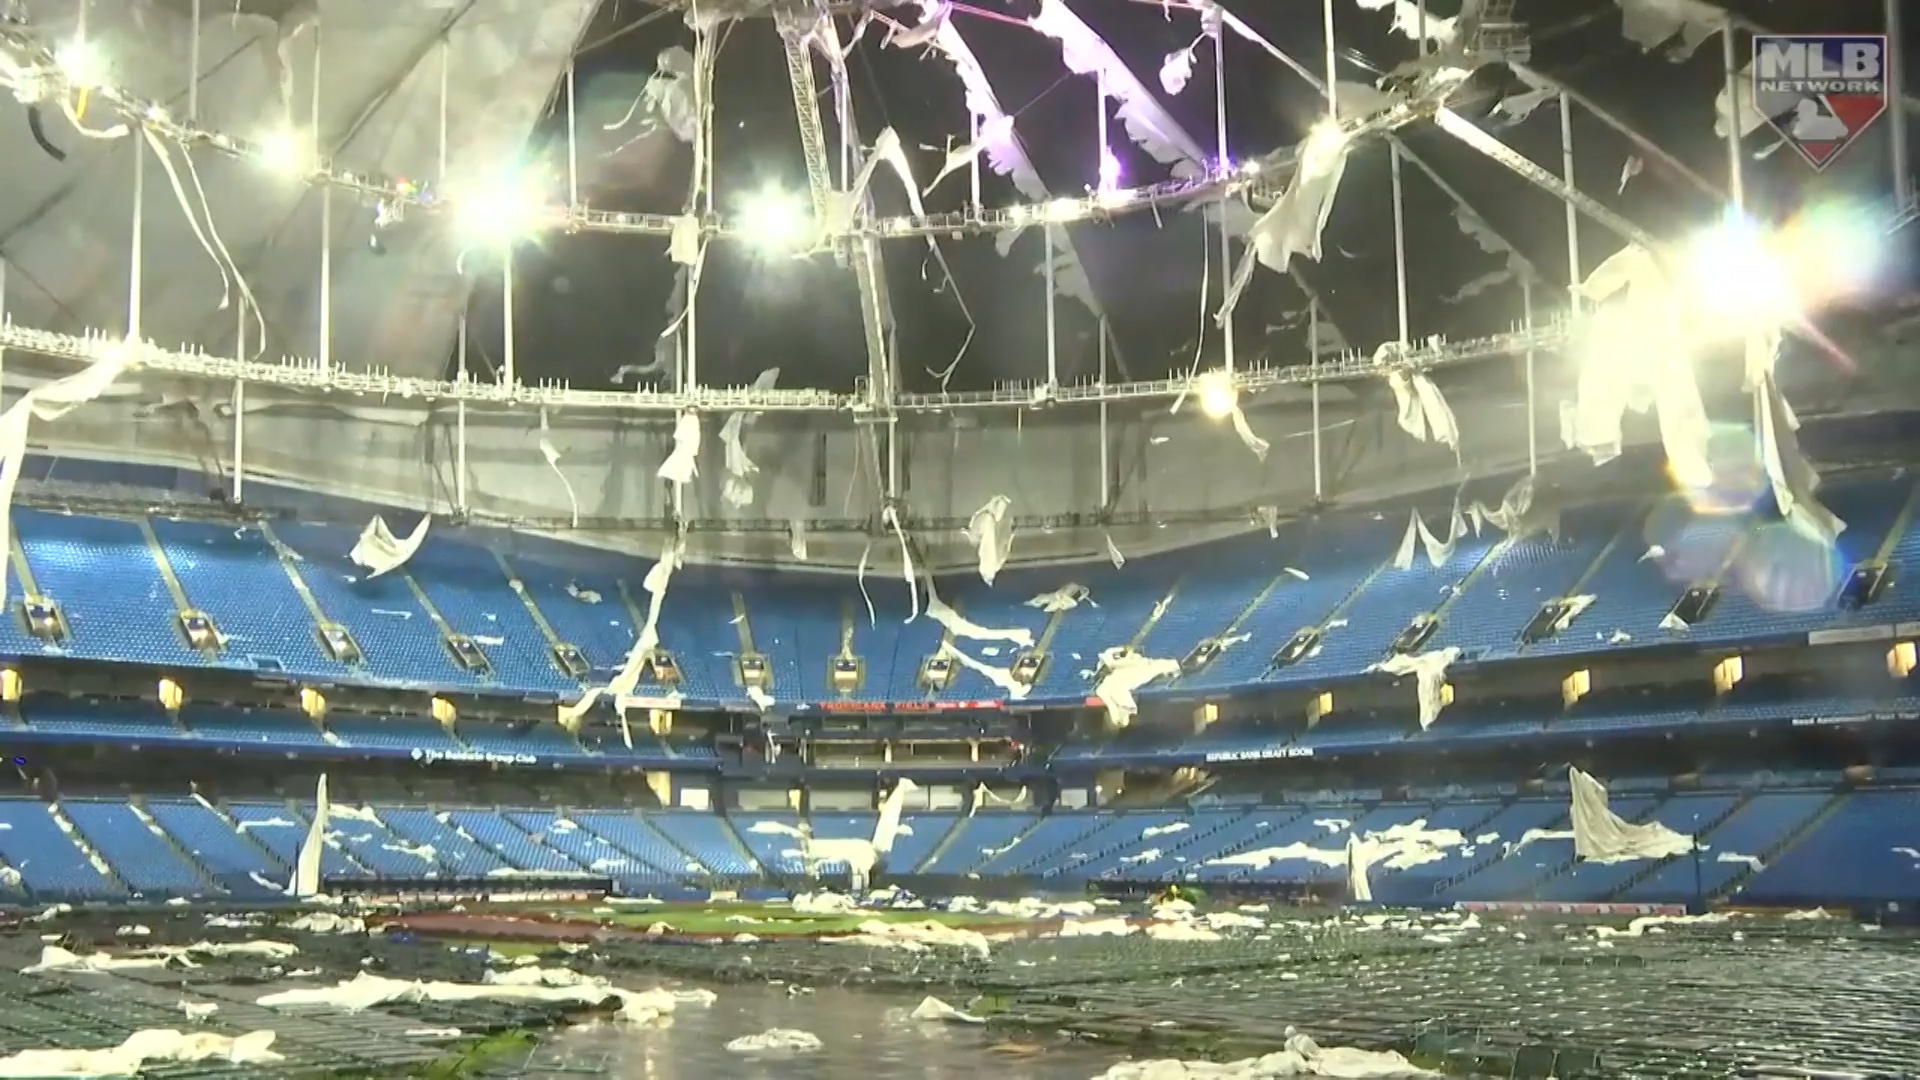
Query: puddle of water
x=866, y=1035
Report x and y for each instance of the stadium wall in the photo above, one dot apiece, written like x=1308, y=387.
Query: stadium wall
x=1167, y=470
x=814, y=468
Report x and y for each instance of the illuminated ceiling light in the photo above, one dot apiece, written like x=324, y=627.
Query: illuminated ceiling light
x=1325, y=136
x=776, y=223
x=1062, y=211
x=80, y=63
x=499, y=211
x=288, y=151
x=1738, y=279
x=1218, y=395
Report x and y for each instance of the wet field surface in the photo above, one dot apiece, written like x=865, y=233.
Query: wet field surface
x=864, y=1035
x=1471, y=996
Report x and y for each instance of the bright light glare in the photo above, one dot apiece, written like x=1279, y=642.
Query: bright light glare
x=1738, y=277
x=499, y=211
x=1218, y=396
x=80, y=63
x=287, y=151
x=1837, y=251
x=776, y=223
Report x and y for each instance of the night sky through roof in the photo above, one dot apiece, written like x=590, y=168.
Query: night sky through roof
x=588, y=304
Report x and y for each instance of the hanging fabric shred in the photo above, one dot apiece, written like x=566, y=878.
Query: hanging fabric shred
x=552, y=454
x=1359, y=889
x=1438, y=550
x=306, y=865
x=1294, y=224
x=1255, y=443
x=1270, y=517
x=1354, y=101
x=994, y=132
x=1629, y=169
x=1602, y=836
x=682, y=465
x=887, y=151
x=1418, y=536
x=1146, y=122
x=891, y=519
x=1652, y=23
x=49, y=403
x=1114, y=555
x=1177, y=69
x=1484, y=234
x=1793, y=478
x=1065, y=598
x=1632, y=362
x=659, y=576
x=843, y=207
x=958, y=625
x=380, y=552
x=1490, y=280
x=1069, y=276
x=1422, y=409
x=933, y=23
x=1003, y=154
x=1122, y=672
x=646, y=640
x=860, y=579
x=668, y=96
x=1409, y=542
x=683, y=241
x=797, y=538
x=737, y=490
x=1512, y=510
x=998, y=676
x=1751, y=119
x=1429, y=671
x=984, y=530
x=1410, y=21
x=1515, y=108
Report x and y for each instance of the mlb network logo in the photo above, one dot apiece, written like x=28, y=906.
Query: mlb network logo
x=1820, y=91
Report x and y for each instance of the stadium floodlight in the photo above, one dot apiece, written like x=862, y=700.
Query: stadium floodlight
x=775, y=222
x=499, y=210
x=288, y=152
x=80, y=63
x=1218, y=395
x=1738, y=278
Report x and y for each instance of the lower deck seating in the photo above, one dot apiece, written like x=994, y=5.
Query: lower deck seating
x=1801, y=846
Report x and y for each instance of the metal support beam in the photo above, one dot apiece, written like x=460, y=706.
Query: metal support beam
x=573, y=144
x=460, y=420
x=239, y=442
x=319, y=153
x=1464, y=130
x=1533, y=424
x=137, y=241
x=1652, y=150
x=796, y=21
x=1225, y=161
x=1053, y=324
x=446, y=72
x=509, y=373
x=1896, y=83
x=1313, y=343
x=1106, y=468
x=1399, y=243
x=1736, y=156
x=1576, y=269
x=193, y=68
x=1410, y=157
